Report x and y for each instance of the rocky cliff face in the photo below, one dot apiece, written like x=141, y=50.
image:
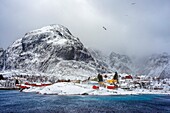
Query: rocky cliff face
x=48, y=49
x=121, y=63
x=166, y=72
x=2, y=58
x=113, y=62
x=101, y=60
x=156, y=65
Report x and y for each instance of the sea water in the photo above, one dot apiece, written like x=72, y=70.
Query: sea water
x=20, y=102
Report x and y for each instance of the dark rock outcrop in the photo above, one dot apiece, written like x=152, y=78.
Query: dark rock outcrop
x=2, y=58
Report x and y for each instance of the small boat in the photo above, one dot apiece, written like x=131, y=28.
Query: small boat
x=27, y=85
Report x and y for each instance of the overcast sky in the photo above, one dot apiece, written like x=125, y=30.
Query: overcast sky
x=133, y=26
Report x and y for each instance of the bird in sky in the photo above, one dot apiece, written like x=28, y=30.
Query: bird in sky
x=133, y=3
x=104, y=28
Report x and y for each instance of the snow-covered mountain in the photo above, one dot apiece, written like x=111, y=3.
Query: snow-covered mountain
x=1, y=58
x=51, y=49
x=113, y=62
x=121, y=63
x=101, y=60
x=54, y=50
x=166, y=72
x=156, y=65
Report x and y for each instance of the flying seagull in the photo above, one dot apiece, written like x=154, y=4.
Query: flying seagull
x=104, y=28
x=133, y=3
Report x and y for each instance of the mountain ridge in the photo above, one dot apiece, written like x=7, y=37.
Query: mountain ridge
x=54, y=50
x=47, y=50
x=157, y=65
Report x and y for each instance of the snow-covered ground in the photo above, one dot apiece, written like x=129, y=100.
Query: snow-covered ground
x=79, y=85
x=68, y=88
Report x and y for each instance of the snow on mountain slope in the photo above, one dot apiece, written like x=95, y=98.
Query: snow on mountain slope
x=73, y=69
x=166, y=72
x=113, y=62
x=2, y=58
x=50, y=49
x=155, y=65
x=101, y=60
x=120, y=63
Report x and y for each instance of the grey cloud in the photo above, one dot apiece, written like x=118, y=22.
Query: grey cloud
x=131, y=29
